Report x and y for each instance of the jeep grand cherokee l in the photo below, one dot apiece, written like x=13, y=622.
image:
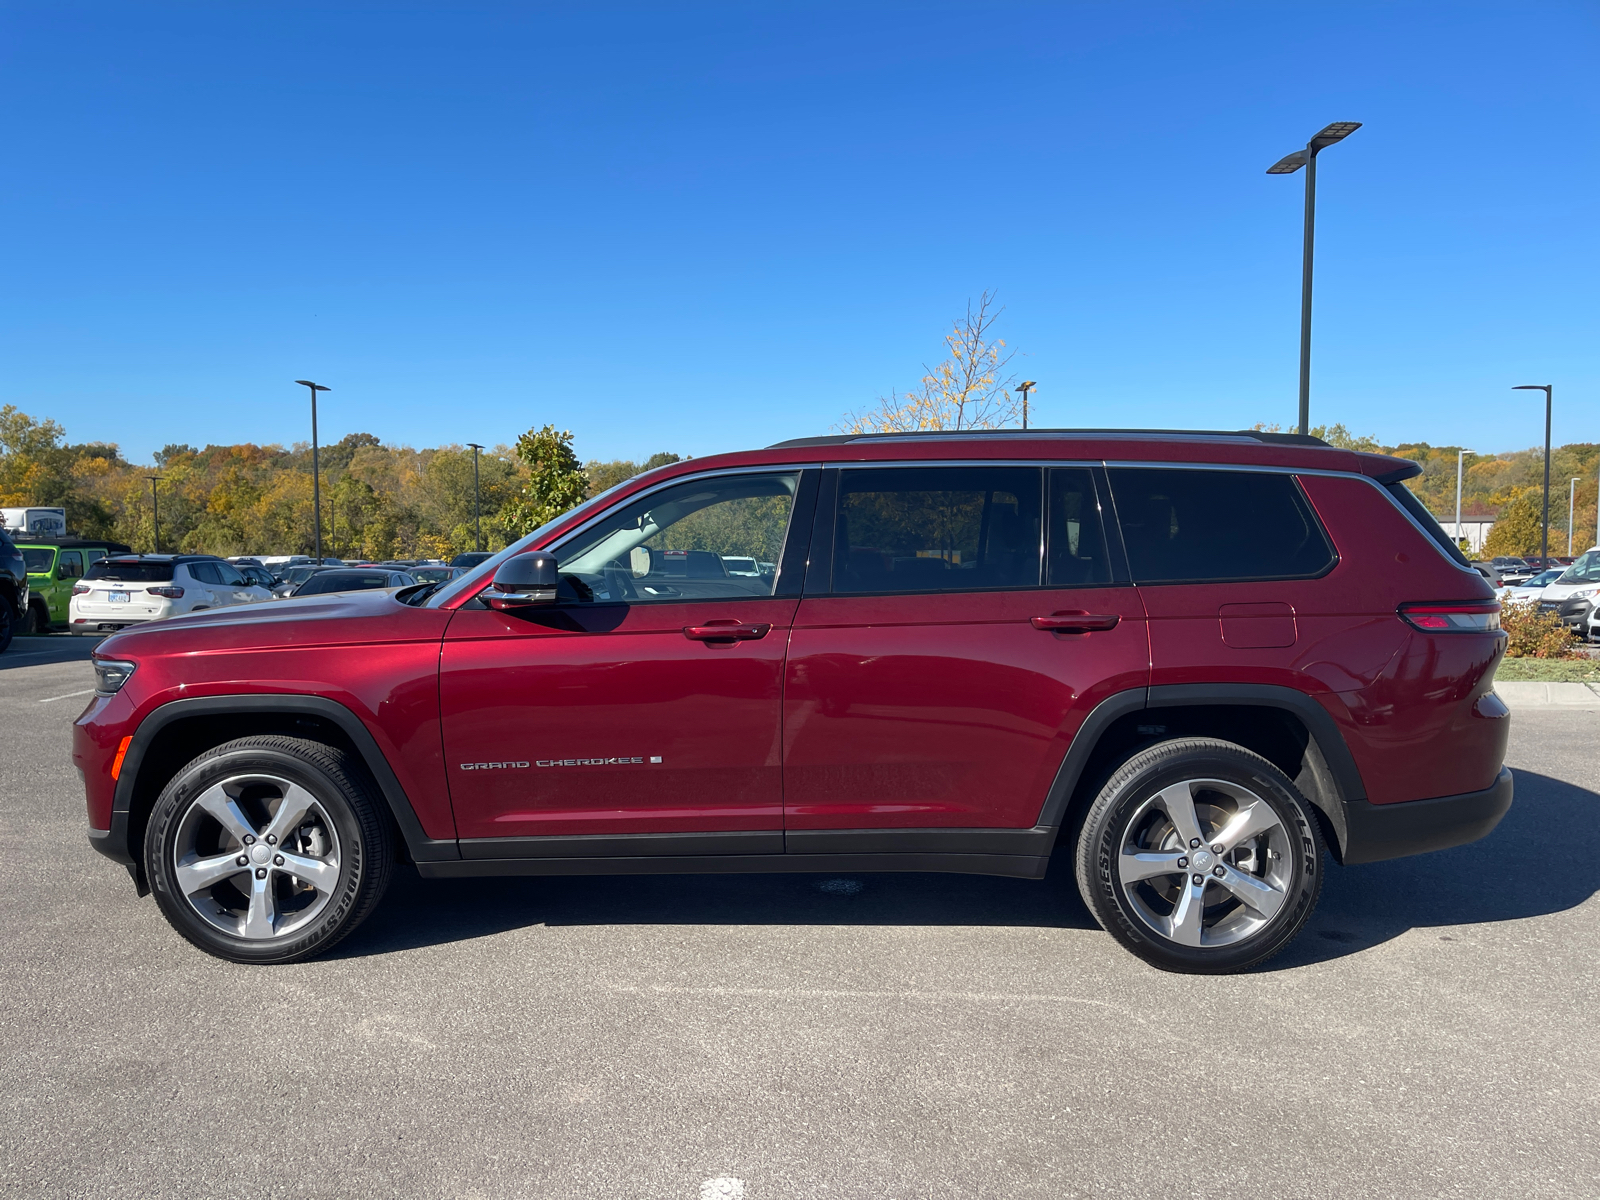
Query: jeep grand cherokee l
x=1199, y=665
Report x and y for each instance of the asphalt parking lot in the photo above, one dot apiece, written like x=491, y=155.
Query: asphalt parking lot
x=1433, y=1033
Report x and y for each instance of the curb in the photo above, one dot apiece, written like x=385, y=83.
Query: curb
x=1522, y=695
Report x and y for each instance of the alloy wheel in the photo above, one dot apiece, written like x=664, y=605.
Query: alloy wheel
x=1205, y=863
x=256, y=856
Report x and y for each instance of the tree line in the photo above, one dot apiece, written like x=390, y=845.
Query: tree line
x=379, y=500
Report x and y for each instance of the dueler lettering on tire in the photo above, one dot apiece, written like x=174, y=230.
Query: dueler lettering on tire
x=1201, y=856
x=268, y=849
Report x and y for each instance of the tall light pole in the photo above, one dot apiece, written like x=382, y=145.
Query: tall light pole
x=316, y=478
x=1026, y=386
x=155, y=504
x=1572, y=496
x=1288, y=165
x=1547, y=389
x=1460, y=454
x=477, y=507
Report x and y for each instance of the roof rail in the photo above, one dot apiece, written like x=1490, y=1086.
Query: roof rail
x=845, y=439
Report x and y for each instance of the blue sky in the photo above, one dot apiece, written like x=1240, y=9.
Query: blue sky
x=706, y=227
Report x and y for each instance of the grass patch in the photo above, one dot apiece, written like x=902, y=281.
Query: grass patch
x=1549, y=670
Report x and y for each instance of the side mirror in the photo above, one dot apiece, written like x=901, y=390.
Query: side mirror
x=525, y=580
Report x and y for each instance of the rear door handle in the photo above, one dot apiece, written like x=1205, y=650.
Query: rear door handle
x=1077, y=622
x=728, y=631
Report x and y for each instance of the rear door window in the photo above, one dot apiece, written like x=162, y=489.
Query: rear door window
x=1194, y=526
x=937, y=529
x=70, y=565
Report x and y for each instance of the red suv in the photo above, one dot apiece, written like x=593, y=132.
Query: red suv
x=1191, y=661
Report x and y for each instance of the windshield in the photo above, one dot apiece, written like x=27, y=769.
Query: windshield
x=129, y=572
x=1585, y=570
x=1541, y=580
x=39, y=559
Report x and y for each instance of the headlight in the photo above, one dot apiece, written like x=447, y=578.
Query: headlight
x=1584, y=594
x=110, y=675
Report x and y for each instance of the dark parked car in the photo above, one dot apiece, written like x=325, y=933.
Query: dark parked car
x=13, y=590
x=1191, y=666
x=344, y=579
x=471, y=559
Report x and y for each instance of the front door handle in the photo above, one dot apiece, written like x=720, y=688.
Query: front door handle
x=725, y=631
x=1077, y=622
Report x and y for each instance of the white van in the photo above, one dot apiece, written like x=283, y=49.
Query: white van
x=1579, y=581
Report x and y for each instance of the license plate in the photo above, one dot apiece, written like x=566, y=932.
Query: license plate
x=117, y=597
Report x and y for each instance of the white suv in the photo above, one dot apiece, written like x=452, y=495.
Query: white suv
x=129, y=589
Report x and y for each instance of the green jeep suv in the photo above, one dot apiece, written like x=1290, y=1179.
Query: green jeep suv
x=54, y=565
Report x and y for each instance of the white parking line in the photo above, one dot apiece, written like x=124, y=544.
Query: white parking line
x=68, y=696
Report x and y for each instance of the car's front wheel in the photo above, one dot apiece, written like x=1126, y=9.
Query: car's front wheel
x=268, y=849
x=1200, y=856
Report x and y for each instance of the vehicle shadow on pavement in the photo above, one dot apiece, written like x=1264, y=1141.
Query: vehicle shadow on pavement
x=38, y=651
x=1522, y=869
x=1517, y=871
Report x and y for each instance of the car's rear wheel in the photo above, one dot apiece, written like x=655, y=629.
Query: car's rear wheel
x=1200, y=856
x=8, y=622
x=38, y=617
x=268, y=849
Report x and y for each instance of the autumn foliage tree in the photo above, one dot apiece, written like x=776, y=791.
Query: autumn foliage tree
x=556, y=481
x=969, y=389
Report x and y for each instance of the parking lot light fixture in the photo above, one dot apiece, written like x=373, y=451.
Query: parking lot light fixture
x=316, y=489
x=1460, y=454
x=155, y=507
x=1026, y=386
x=1572, y=496
x=477, y=506
x=1547, y=389
x=1288, y=165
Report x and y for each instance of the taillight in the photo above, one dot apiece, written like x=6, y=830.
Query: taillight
x=81, y=589
x=1471, y=617
x=171, y=593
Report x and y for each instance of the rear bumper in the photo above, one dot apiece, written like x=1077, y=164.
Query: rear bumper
x=1381, y=831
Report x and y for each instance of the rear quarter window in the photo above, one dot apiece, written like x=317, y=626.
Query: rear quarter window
x=1201, y=526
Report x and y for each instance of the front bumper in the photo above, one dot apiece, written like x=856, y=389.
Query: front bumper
x=1376, y=832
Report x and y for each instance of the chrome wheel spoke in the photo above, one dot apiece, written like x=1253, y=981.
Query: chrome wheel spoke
x=1178, y=800
x=1255, y=894
x=318, y=873
x=1248, y=822
x=1146, y=864
x=1185, y=924
x=261, y=918
x=226, y=811
x=200, y=873
x=296, y=803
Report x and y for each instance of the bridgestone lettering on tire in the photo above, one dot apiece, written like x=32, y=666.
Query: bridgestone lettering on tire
x=1200, y=856
x=268, y=849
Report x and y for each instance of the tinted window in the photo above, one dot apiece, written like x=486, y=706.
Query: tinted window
x=129, y=572
x=1186, y=525
x=39, y=559
x=71, y=564
x=1076, y=551
x=677, y=544
x=203, y=572
x=937, y=529
x=228, y=575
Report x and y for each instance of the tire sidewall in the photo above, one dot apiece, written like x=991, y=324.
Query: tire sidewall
x=1126, y=793
x=175, y=801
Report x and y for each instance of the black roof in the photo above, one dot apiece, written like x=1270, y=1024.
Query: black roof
x=174, y=559
x=845, y=439
x=72, y=543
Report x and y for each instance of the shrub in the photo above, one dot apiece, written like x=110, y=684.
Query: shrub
x=1535, y=634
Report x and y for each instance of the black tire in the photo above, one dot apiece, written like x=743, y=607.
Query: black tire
x=8, y=623
x=346, y=820
x=1208, y=929
x=38, y=618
